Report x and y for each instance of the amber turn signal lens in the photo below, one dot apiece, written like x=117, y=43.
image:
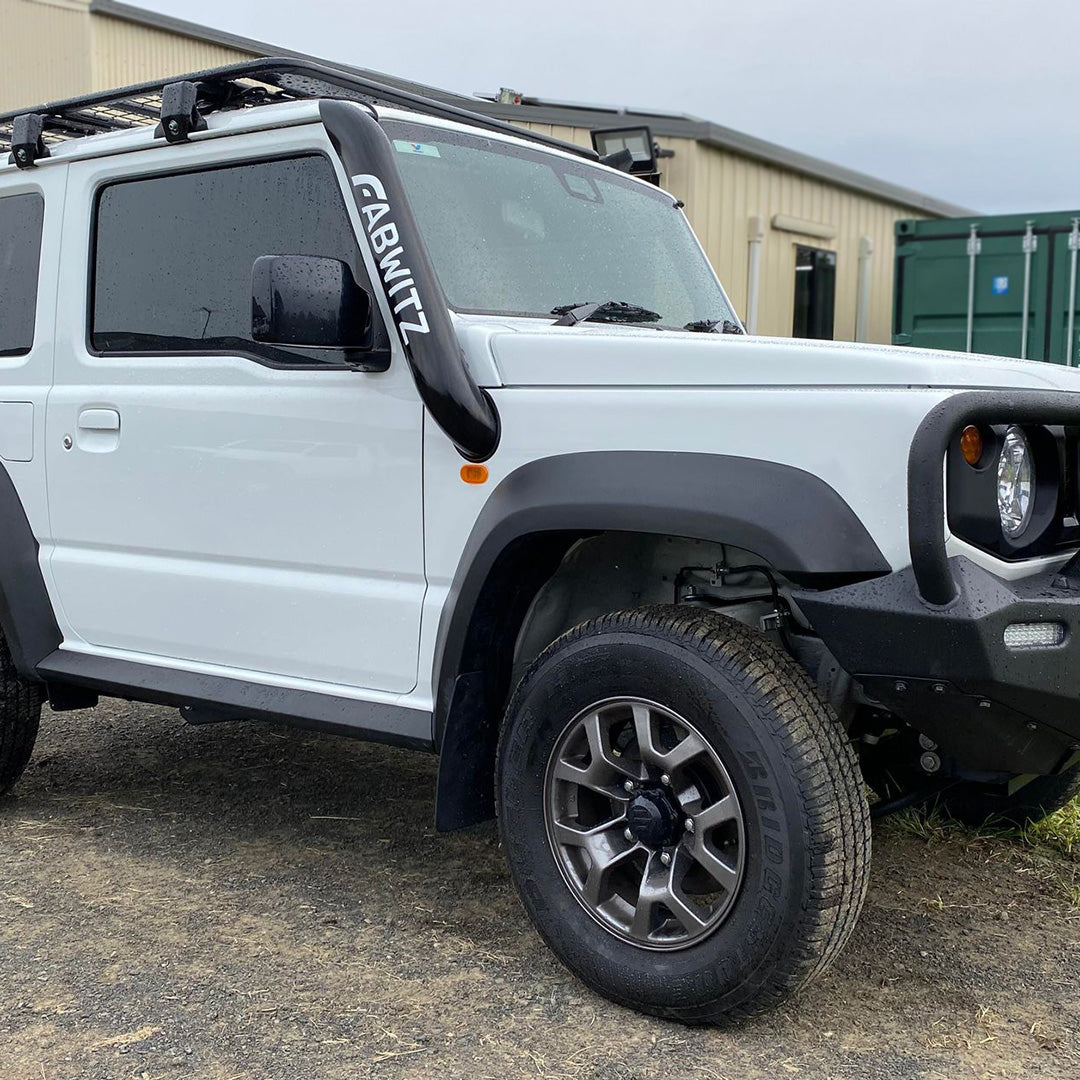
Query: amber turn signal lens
x=474, y=474
x=971, y=444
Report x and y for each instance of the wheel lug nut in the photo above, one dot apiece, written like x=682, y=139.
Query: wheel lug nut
x=628, y=834
x=665, y=780
x=665, y=858
x=628, y=785
x=689, y=824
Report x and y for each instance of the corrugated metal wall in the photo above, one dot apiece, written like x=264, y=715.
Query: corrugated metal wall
x=56, y=48
x=46, y=53
x=126, y=53
x=723, y=191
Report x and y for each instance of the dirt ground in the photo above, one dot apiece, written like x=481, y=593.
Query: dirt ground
x=243, y=901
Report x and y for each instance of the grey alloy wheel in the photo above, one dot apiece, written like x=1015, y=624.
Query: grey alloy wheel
x=644, y=823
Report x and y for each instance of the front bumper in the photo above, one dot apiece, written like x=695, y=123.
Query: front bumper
x=947, y=671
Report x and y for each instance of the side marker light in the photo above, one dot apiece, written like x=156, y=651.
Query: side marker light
x=474, y=474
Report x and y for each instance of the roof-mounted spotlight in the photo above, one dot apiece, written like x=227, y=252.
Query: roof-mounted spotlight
x=630, y=149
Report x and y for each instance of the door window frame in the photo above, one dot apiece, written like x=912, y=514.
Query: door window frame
x=266, y=356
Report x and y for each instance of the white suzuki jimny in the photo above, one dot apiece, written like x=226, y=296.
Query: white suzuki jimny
x=325, y=403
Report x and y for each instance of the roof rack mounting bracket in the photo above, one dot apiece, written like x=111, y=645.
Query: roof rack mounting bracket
x=27, y=144
x=179, y=112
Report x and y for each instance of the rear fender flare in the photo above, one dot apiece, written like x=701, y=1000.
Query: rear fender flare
x=26, y=612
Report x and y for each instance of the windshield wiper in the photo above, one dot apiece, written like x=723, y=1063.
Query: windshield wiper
x=714, y=326
x=611, y=311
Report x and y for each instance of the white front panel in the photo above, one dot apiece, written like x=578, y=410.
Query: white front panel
x=237, y=515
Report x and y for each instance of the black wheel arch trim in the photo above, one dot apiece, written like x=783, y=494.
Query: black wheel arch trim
x=926, y=479
x=26, y=612
x=786, y=516
x=418, y=306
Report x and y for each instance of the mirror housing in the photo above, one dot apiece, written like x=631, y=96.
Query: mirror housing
x=309, y=301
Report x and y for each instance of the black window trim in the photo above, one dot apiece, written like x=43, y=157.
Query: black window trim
x=253, y=350
x=8, y=354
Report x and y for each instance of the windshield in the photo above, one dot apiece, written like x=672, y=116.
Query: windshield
x=515, y=231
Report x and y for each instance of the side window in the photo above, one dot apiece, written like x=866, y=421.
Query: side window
x=173, y=254
x=21, y=217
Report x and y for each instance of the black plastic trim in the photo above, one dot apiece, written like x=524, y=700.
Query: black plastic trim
x=374, y=721
x=26, y=612
x=464, y=412
x=926, y=483
x=947, y=670
x=790, y=518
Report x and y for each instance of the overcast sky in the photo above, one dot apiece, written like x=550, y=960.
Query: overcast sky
x=973, y=101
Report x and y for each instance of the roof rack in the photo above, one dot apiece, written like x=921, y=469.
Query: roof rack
x=237, y=86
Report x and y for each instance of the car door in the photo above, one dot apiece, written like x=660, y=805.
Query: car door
x=216, y=503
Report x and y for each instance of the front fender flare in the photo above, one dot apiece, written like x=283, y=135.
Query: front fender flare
x=786, y=516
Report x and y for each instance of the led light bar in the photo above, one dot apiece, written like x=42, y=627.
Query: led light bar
x=1034, y=635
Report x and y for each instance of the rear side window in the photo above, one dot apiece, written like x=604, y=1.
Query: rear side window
x=173, y=254
x=20, y=253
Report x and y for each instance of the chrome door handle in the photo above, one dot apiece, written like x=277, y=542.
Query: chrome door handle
x=99, y=420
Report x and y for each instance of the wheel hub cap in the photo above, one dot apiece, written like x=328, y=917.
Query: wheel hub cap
x=652, y=818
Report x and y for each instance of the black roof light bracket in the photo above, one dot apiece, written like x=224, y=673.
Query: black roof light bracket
x=629, y=148
x=27, y=143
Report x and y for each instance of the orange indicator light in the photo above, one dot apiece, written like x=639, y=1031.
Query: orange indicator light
x=474, y=474
x=971, y=444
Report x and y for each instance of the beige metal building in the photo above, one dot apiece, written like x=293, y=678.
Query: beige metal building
x=802, y=246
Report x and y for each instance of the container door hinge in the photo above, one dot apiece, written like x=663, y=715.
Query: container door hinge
x=27, y=143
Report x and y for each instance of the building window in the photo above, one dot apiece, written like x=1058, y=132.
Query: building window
x=815, y=292
x=21, y=217
x=174, y=254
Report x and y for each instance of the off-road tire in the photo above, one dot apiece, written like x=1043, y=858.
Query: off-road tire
x=807, y=824
x=20, y=712
x=983, y=804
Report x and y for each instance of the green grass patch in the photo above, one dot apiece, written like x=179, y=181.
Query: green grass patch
x=1051, y=847
x=1061, y=830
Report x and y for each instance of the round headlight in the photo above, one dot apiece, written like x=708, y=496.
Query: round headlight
x=1015, y=483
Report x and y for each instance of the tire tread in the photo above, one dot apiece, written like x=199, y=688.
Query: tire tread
x=20, y=715
x=820, y=759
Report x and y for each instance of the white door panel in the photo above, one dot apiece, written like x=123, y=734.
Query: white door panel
x=217, y=510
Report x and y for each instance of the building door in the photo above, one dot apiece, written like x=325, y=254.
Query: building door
x=815, y=292
x=216, y=501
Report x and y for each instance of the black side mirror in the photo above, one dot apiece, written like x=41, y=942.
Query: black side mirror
x=309, y=301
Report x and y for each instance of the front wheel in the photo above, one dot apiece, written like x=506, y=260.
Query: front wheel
x=684, y=820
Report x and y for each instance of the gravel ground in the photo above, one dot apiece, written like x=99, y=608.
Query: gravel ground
x=243, y=901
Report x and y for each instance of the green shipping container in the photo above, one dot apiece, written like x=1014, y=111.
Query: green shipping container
x=1002, y=285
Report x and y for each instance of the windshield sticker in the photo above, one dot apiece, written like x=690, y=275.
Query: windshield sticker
x=397, y=278
x=403, y=146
